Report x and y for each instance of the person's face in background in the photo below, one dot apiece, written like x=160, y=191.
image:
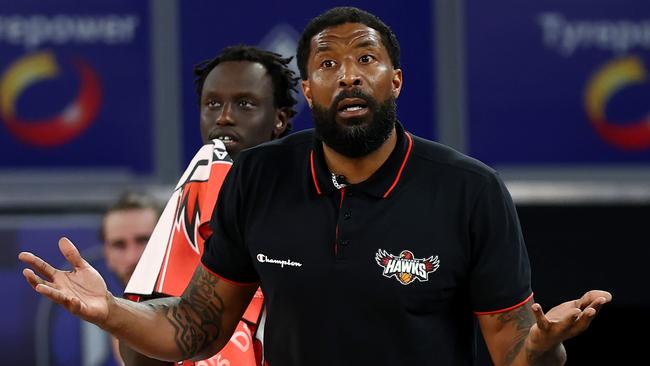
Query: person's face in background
x=351, y=87
x=126, y=233
x=237, y=106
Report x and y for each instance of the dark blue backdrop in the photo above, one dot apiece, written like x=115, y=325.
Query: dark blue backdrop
x=112, y=38
x=529, y=66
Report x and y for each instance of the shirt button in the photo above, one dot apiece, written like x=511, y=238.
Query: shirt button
x=347, y=215
x=345, y=243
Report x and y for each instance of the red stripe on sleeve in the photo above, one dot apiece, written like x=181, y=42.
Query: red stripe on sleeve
x=506, y=309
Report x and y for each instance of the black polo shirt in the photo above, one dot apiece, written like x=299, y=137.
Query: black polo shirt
x=390, y=271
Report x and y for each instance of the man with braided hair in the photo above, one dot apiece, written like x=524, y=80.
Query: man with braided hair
x=245, y=99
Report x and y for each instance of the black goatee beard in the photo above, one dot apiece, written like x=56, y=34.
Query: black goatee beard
x=362, y=135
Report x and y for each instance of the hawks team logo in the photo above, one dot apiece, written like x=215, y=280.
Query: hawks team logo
x=405, y=267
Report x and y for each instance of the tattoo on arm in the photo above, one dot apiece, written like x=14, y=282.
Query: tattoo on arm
x=522, y=319
x=197, y=317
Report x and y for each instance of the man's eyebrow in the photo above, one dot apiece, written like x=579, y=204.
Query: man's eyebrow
x=117, y=242
x=322, y=47
x=367, y=43
x=142, y=237
x=234, y=95
x=247, y=94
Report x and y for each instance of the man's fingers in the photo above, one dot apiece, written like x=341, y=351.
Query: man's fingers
x=38, y=264
x=51, y=293
x=597, y=304
x=540, y=318
x=583, y=321
x=33, y=279
x=591, y=296
x=72, y=304
x=600, y=293
x=71, y=253
x=589, y=313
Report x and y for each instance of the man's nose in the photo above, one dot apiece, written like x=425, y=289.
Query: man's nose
x=225, y=117
x=349, y=75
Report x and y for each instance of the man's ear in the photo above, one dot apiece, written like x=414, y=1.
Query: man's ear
x=281, y=122
x=397, y=82
x=306, y=91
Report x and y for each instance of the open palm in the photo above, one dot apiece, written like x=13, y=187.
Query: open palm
x=567, y=319
x=82, y=291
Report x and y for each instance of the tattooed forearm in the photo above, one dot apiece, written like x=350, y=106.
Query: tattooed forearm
x=197, y=317
x=522, y=319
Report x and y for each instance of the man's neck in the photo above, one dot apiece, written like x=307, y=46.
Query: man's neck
x=357, y=170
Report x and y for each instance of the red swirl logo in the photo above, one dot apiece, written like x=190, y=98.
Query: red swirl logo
x=607, y=81
x=57, y=130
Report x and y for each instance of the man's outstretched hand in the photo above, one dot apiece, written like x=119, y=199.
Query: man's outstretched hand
x=567, y=319
x=81, y=291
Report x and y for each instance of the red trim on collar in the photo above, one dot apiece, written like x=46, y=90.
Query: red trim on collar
x=401, y=168
x=313, y=172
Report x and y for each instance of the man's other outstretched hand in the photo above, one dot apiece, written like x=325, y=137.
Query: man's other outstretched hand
x=566, y=320
x=82, y=291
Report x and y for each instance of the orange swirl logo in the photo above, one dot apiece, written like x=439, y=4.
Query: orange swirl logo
x=76, y=117
x=606, y=82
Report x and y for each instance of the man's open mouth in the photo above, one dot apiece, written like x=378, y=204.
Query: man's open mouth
x=352, y=107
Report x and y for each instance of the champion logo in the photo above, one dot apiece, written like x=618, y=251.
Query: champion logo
x=262, y=258
x=405, y=267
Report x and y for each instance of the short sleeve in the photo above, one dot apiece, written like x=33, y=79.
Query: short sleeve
x=500, y=274
x=226, y=253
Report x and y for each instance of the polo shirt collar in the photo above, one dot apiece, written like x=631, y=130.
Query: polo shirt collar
x=380, y=184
